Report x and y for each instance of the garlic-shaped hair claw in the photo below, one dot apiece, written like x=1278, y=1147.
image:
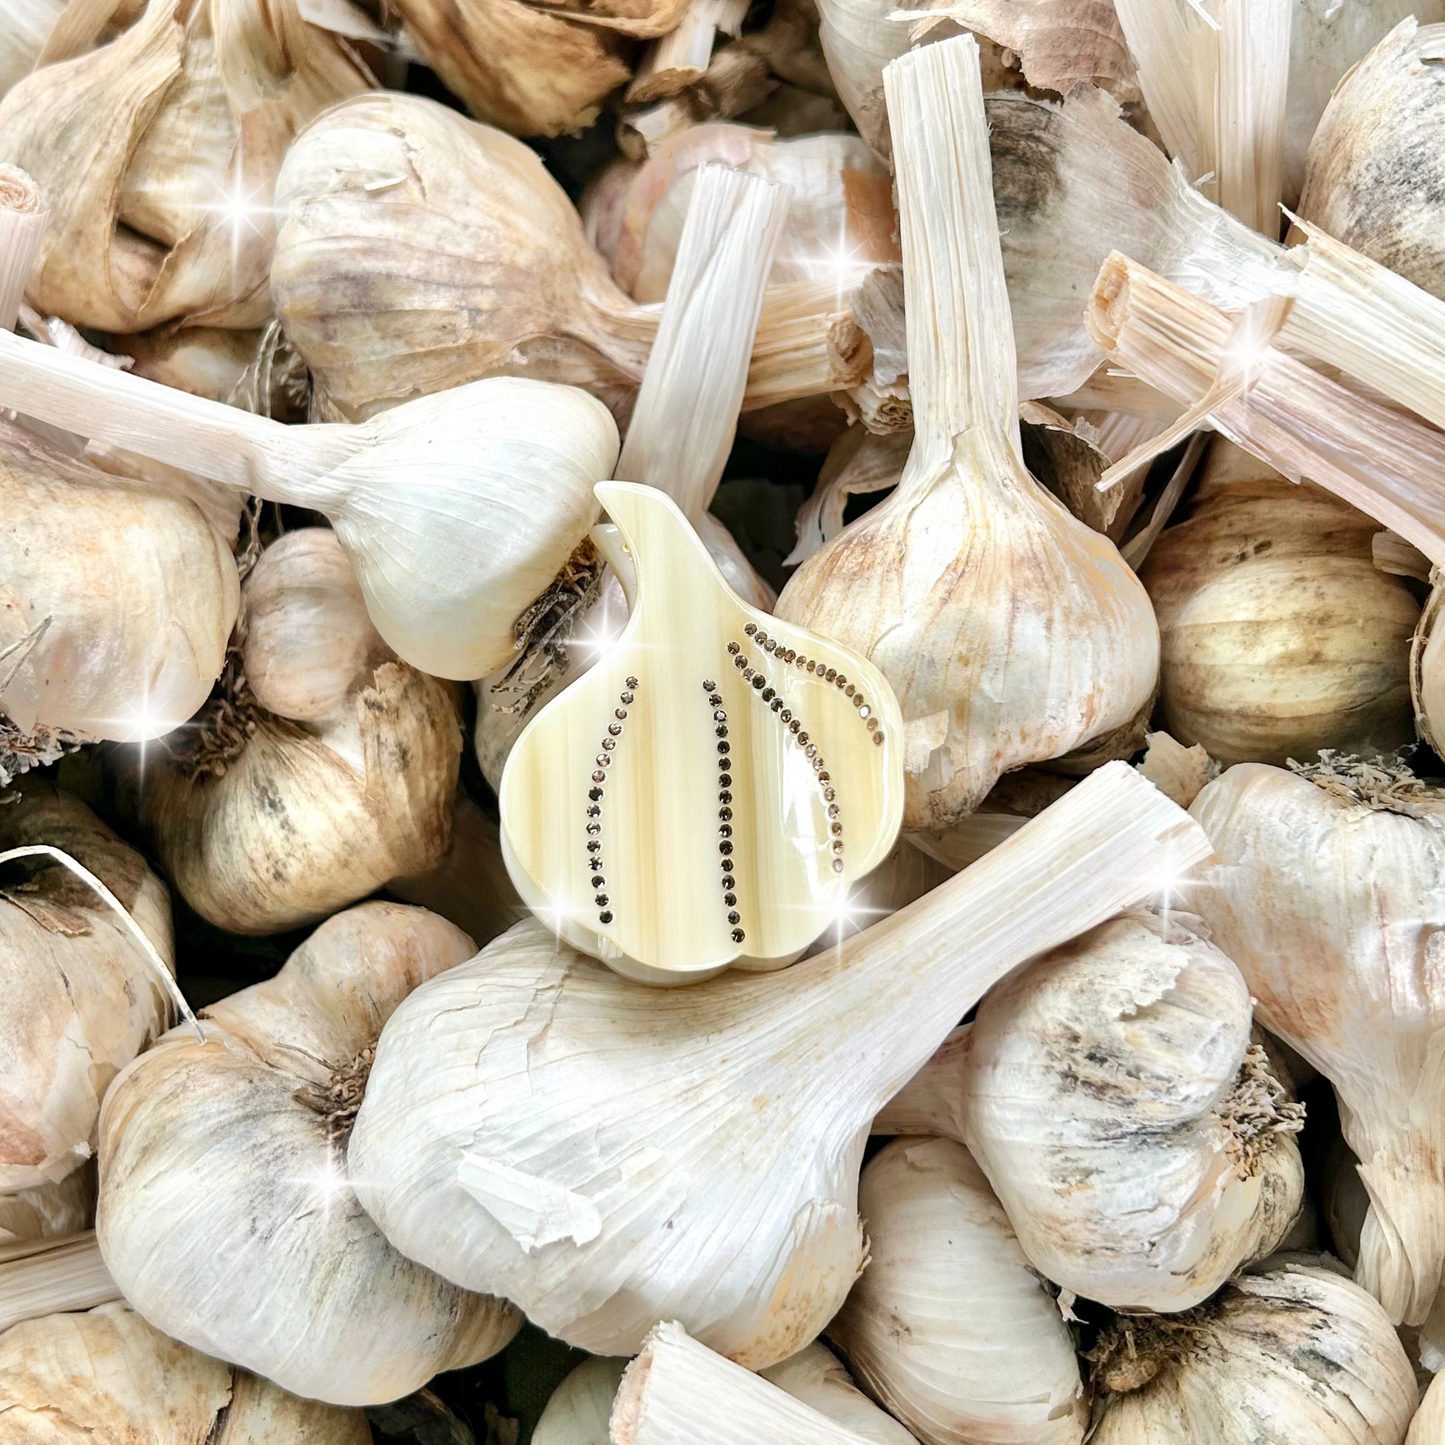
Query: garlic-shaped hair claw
x=116, y=604
x=522, y=1134
x=1329, y=893
x=227, y=1213
x=456, y=510
x=109, y=1378
x=1293, y=1356
x=322, y=768
x=1009, y=630
x=677, y=1392
x=946, y=1297
x=81, y=999
x=708, y=792
x=1136, y=1136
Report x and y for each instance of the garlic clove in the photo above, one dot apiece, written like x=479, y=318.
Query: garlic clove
x=946, y=1295
x=569, y=1180
x=107, y=1375
x=579, y=1408
x=1327, y=895
x=1291, y=1355
x=227, y=1214
x=704, y=709
x=82, y=1000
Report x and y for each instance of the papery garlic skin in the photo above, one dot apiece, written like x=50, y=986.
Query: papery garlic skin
x=1427, y=670
x=226, y=1212
x=49, y=1211
x=117, y=599
x=81, y=1000
x=1428, y=1425
x=1331, y=907
x=108, y=1376
x=1279, y=634
x=579, y=1408
x=859, y=41
x=1294, y=1356
x=25, y=25
x=946, y=1296
x=1111, y=1097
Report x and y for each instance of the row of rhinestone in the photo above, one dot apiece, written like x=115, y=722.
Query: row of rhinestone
x=759, y=683
x=822, y=672
x=594, y=801
x=725, y=811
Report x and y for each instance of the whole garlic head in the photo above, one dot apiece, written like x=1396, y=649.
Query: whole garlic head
x=1141, y=1145
x=227, y=1215
x=1329, y=893
x=1294, y=1356
x=947, y=1294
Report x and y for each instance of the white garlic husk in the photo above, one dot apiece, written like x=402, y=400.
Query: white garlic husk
x=324, y=769
x=1294, y=1355
x=1139, y=1141
x=107, y=1376
x=1428, y=1426
x=51, y=1210
x=25, y=25
x=227, y=1215
x=1329, y=893
x=948, y=1293
x=81, y=999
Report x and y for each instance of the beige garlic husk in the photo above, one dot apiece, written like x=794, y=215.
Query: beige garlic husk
x=1327, y=893
x=1138, y=1139
x=996, y=659
x=946, y=1297
x=1293, y=1355
x=108, y=1377
x=840, y=209
x=254, y=370
x=1279, y=634
x=1427, y=670
x=419, y=250
x=1371, y=163
x=324, y=766
x=1428, y=1425
x=81, y=998
x=117, y=602
x=580, y=1407
x=227, y=1215
x=51, y=1210
x=158, y=153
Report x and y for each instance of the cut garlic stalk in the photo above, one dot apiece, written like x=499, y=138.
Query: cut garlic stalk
x=551, y=1164
x=227, y=1215
x=23, y=219
x=419, y=250
x=710, y=753
x=107, y=1375
x=1295, y=1356
x=1327, y=893
x=456, y=510
x=994, y=662
x=52, y=1276
x=946, y=1294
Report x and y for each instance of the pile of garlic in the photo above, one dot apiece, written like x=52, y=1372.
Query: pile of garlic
x=518, y=926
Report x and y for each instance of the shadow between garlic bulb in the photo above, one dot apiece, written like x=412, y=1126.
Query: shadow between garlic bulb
x=227, y=1212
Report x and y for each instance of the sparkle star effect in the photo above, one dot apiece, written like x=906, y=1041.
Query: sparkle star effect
x=241, y=211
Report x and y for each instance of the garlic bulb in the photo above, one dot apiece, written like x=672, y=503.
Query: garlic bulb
x=323, y=768
x=49, y=1210
x=1364, y=182
x=1279, y=634
x=157, y=154
x=840, y=208
x=226, y=1212
x=860, y=40
x=552, y=1165
x=456, y=510
x=995, y=663
x=946, y=1296
x=116, y=605
x=782, y=770
x=419, y=250
x=580, y=1407
x=1294, y=1356
x=24, y=27
x=81, y=998
x=678, y=1391
x=1327, y=893
x=1141, y=1145
x=1428, y=1425
x=107, y=1376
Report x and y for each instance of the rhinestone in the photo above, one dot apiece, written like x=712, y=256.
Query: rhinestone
x=603, y=759
x=768, y=694
x=812, y=667
x=627, y=699
x=822, y=777
x=735, y=918
x=716, y=699
x=836, y=829
x=802, y=661
x=599, y=776
x=720, y=716
x=831, y=673
x=811, y=749
x=841, y=679
x=605, y=916
x=729, y=882
x=832, y=808
x=725, y=796
x=724, y=830
x=818, y=764
x=761, y=638
x=849, y=691
x=863, y=708
x=729, y=899
x=878, y=738
x=724, y=746
x=593, y=829
x=725, y=847
x=720, y=730
x=776, y=704
x=597, y=863
x=726, y=865
x=632, y=682
x=709, y=686
x=803, y=737
x=740, y=663
x=595, y=794
x=594, y=811
x=608, y=744
x=594, y=845
x=837, y=845
x=619, y=713
x=786, y=714
x=733, y=649
x=789, y=655
x=794, y=726
x=600, y=900
x=758, y=680
x=872, y=724
x=771, y=644
x=738, y=935
x=725, y=814
x=751, y=628
x=725, y=782
x=598, y=880
x=837, y=865
x=614, y=730
x=747, y=674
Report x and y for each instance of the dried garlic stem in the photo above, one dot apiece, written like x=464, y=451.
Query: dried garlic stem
x=1299, y=422
x=23, y=219
x=52, y=1276
x=931, y=1102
